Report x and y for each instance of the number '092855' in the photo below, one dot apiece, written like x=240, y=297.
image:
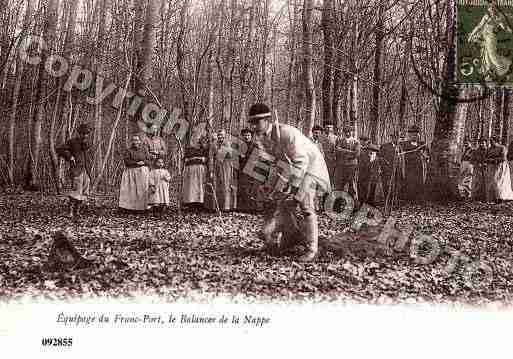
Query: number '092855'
x=57, y=342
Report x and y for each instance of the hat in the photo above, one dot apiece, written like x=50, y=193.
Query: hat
x=413, y=129
x=347, y=129
x=364, y=138
x=84, y=129
x=259, y=111
x=317, y=128
x=327, y=123
x=245, y=130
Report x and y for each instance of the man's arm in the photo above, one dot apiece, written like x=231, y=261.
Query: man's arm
x=296, y=153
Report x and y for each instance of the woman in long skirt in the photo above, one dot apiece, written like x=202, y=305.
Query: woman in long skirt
x=478, y=160
x=133, y=192
x=498, y=178
x=195, y=175
x=224, y=170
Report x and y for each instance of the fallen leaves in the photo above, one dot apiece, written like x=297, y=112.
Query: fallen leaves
x=201, y=255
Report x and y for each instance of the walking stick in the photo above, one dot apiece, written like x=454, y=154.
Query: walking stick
x=214, y=196
x=389, y=192
x=392, y=189
x=210, y=166
x=181, y=168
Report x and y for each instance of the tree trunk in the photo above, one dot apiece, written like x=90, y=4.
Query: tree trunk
x=292, y=58
x=263, y=55
x=98, y=125
x=180, y=59
x=49, y=32
x=245, y=67
x=505, y=116
x=16, y=94
x=338, y=86
x=449, y=125
x=307, y=67
x=327, y=29
x=374, y=113
x=219, y=63
x=498, y=112
x=145, y=64
x=69, y=44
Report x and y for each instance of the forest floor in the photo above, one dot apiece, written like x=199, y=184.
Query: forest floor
x=202, y=255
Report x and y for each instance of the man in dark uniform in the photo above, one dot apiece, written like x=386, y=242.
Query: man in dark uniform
x=246, y=191
x=77, y=151
x=348, y=151
x=478, y=160
x=389, y=163
x=416, y=155
x=367, y=171
x=330, y=155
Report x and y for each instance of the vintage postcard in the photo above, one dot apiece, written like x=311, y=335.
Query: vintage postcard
x=256, y=178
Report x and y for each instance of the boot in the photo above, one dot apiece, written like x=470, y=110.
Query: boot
x=311, y=239
x=72, y=208
x=292, y=234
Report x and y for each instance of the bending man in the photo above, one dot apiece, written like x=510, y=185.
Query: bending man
x=302, y=172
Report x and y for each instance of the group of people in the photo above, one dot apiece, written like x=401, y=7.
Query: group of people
x=358, y=167
x=287, y=168
x=144, y=182
x=485, y=171
x=213, y=164
x=213, y=176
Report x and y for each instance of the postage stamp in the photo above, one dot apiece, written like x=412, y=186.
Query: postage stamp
x=485, y=42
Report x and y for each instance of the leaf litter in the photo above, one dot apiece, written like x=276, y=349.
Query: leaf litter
x=197, y=255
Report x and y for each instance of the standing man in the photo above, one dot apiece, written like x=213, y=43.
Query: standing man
x=367, y=171
x=416, y=155
x=301, y=173
x=77, y=151
x=246, y=189
x=317, y=138
x=329, y=149
x=347, y=150
x=478, y=160
x=389, y=163
x=226, y=187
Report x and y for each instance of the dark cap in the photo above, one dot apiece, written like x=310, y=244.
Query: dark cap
x=317, y=128
x=259, y=111
x=348, y=129
x=364, y=138
x=245, y=130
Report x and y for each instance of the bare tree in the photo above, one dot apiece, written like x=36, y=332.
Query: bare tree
x=49, y=34
x=27, y=25
x=327, y=79
x=307, y=67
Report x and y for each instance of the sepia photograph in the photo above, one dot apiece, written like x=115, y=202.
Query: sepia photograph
x=190, y=168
